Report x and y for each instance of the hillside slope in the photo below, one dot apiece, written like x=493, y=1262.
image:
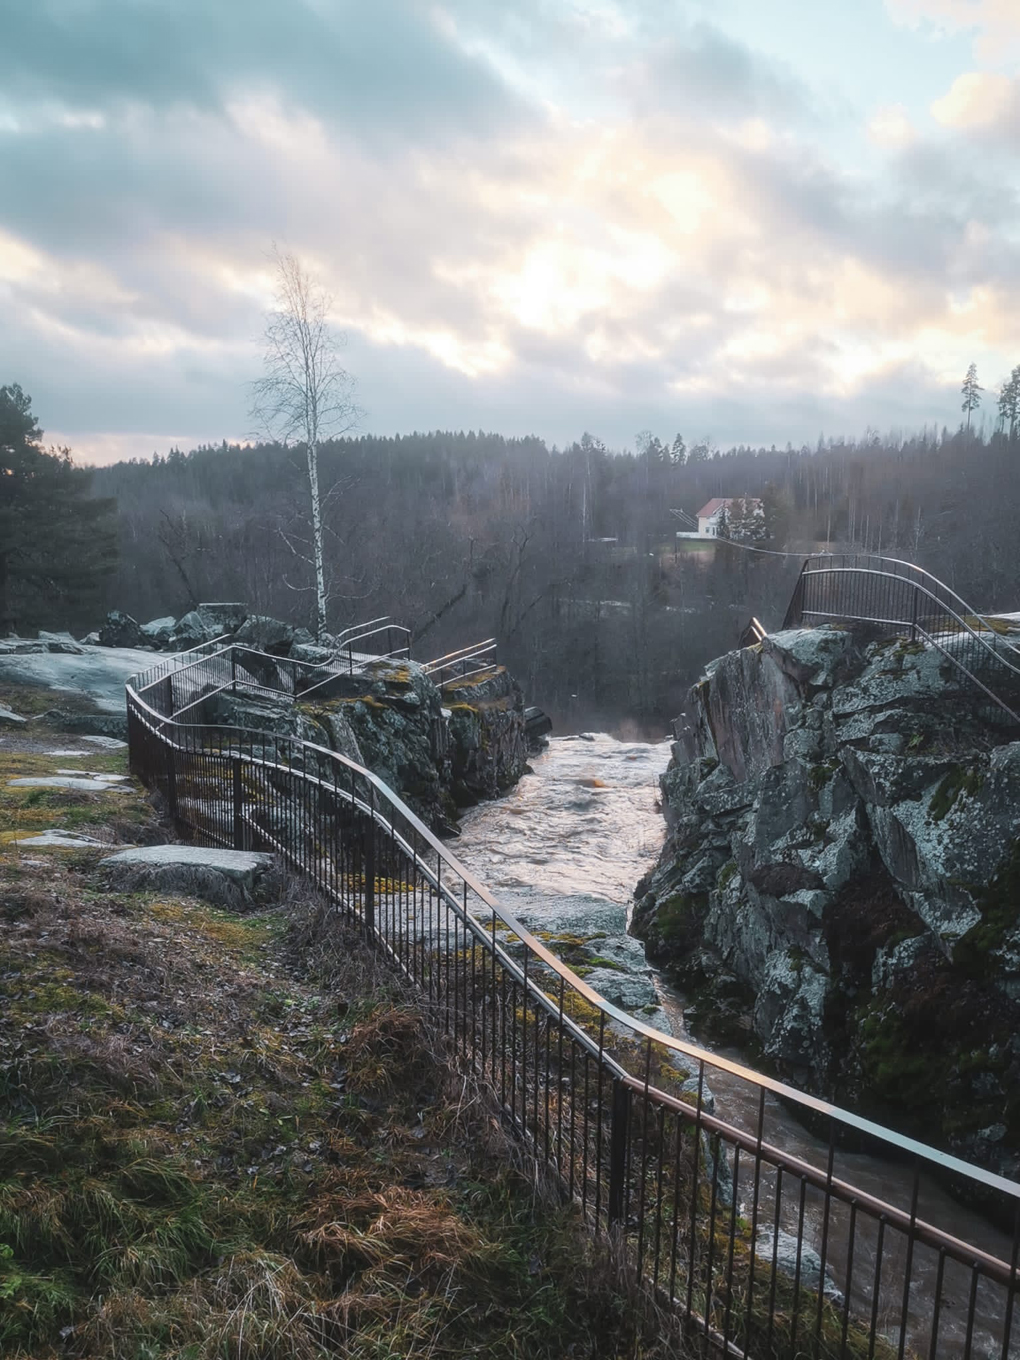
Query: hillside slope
x=235, y=1135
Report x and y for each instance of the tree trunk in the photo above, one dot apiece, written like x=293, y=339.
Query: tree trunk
x=320, y=573
x=6, y=622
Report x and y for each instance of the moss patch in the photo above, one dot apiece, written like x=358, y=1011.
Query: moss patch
x=959, y=782
x=1000, y=917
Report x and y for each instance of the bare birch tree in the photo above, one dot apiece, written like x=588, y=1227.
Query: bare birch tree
x=304, y=394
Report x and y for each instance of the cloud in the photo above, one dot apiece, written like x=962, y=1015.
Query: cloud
x=891, y=126
x=536, y=217
x=386, y=70
x=981, y=102
x=995, y=24
x=707, y=73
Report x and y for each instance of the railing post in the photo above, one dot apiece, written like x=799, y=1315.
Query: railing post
x=238, y=801
x=619, y=1123
x=368, y=897
x=171, y=782
x=913, y=617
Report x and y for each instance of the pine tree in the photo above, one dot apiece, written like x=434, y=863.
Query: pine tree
x=678, y=453
x=970, y=392
x=1009, y=403
x=746, y=522
x=56, y=542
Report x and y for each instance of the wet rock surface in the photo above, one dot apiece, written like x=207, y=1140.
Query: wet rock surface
x=438, y=750
x=488, y=738
x=841, y=881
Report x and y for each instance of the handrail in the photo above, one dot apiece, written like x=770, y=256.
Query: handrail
x=753, y=632
x=374, y=632
x=171, y=663
x=621, y=1017
x=456, y=661
x=340, y=638
x=282, y=781
x=935, y=584
x=461, y=654
x=900, y=604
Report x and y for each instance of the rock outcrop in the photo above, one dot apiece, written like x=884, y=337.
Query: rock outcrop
x=488, y=738
x=121, y=630
x=391, y=718
x=841, y=881
x=440, y=750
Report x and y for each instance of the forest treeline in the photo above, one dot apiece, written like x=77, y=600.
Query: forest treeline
x=567, y=556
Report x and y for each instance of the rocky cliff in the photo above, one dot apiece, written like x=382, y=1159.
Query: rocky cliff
x=840, y=884
x=439, y=750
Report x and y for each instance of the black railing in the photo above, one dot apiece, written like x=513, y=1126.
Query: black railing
x=765, y=1253
x=898, y=599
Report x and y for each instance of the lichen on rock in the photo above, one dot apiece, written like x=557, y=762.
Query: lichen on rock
x=840, y=879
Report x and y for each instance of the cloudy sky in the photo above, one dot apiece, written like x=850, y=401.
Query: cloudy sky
x=755, y=220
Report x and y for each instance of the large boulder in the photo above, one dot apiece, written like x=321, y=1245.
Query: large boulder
x=395, y=713
x=842, y=869
x=271, y=635
x=223, y=618
x=191, y=630
x=61, y=643
x=227, y=878
x=158, y=632
x=121, y=630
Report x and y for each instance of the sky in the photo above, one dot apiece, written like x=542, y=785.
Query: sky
x=743, y=220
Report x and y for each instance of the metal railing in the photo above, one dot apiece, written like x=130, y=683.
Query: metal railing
x=900, y=599
x=468, y=663
x=753, y=632
x=764, y=1253
x=358, y=646
x=187, y=679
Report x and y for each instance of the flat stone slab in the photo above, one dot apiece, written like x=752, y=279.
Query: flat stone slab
x=97, y=774
x=98, y=673
x=63, y=840
x=228, y=878
x=102, y=743
x=103, y=783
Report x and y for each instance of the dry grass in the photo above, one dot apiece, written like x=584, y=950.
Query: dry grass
x=235, y=1138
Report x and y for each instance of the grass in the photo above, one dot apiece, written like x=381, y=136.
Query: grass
x=236, y=1136
x=227, y=1136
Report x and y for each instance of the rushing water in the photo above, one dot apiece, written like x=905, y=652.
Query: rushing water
x=563, y=851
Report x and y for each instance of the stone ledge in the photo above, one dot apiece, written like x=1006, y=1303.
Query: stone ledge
x=226, y=878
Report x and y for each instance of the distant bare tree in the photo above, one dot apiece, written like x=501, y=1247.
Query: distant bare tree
x=304, y=394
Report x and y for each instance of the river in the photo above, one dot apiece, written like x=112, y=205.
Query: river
x=563, y=851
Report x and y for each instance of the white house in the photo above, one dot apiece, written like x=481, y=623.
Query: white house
x=710, y=516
